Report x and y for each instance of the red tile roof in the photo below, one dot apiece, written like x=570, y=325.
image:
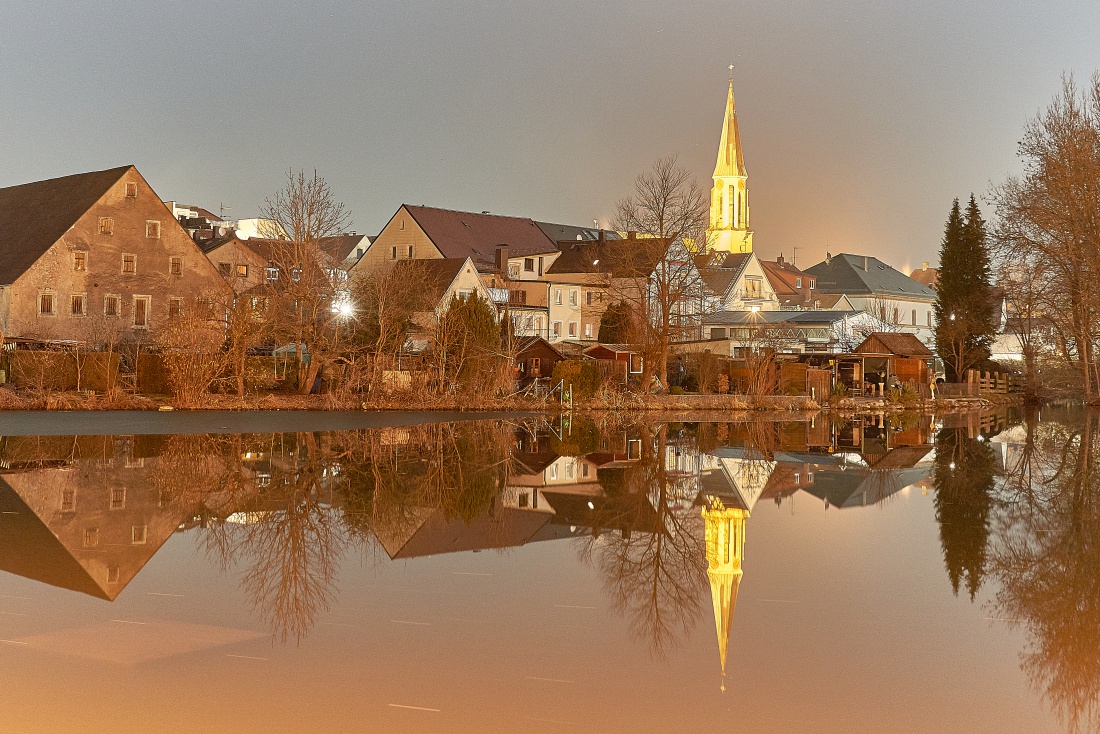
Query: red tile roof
x=477, y=236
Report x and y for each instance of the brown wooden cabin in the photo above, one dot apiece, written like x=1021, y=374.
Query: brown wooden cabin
x=535, y=359
x=883, y=359
x=619, y=361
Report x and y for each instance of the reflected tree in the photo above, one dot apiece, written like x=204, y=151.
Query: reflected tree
x=654, y=567
x=963, y=477
x=1047, y=560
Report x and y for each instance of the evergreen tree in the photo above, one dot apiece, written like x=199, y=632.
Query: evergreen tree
x=965, y=308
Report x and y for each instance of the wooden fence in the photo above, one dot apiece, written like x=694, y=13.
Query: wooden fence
x=980, y=383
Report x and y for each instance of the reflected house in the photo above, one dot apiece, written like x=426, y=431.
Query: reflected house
x=852, y=480
x=89, y=525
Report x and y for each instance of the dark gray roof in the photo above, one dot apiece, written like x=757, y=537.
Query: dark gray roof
x=866, y=275
x=34, y=216
x=563, y=232
x=776, y=317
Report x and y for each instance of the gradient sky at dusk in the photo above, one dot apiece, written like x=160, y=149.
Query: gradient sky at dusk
x=860, y=120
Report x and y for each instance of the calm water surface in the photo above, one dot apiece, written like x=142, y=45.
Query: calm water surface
x=913, y=574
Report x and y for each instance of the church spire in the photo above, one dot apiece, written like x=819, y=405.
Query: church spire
x=731, y=160
x=729, y=198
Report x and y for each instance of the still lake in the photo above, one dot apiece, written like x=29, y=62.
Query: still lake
x=906, y=573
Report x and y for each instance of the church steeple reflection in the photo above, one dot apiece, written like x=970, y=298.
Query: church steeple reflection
x=725, y=543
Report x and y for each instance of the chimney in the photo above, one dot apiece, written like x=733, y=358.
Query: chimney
x=828, y=258
x=632, y=235
x=779, y=260
x=502, y=260
x=603, y=237
x=924, y=265
x=865, y=263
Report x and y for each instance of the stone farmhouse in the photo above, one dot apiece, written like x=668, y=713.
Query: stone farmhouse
x=95, y=252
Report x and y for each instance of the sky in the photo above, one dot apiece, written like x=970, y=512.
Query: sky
x=860, y=121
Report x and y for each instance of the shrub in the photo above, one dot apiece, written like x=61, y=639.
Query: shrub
x=676, y=390
x=584, y=376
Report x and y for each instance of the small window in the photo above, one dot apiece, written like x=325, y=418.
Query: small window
x=914, y=317
x=528, y=264
x=78, y=304
x=295, y=275
x=118, y=498
x=572, y=328
x=175, y=265
x=393, y=252
x=557, y=296
x=589, y=297
x=139, y=534
x=573, y=298
x=798, y=282
x=141, y=312
x=113, y=574
x=131, y=190
x=175, y=307
x=929, y=315
x=111, y=305
x=226, y=269
x=523, y=499
x=358, y=252
x=797, y=478
x=106, y=225
x=152, y=229
x=68, y=500
x=272, y=273
x=809, y=477
x=90, y=538
x=813, y=284
x=584, y=470
x=242, y=271
x=410, y=252
x=80, y=261
x=46, y=304
x=129, y=264
x=557, y=328
x=588, y=331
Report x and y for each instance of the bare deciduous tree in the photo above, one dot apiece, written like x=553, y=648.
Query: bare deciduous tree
x=1048, y=222
x=304, y=297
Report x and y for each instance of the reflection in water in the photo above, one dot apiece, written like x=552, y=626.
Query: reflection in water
x=659, y=511
x=1046, y=559
x=963, y=477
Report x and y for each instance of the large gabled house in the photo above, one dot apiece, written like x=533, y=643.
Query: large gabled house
x=494, y=243
x=94, y=249
x=873, y=286
x=738, y=282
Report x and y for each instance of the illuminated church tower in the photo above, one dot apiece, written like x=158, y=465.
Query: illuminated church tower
x=725, y=542
x=729, y=199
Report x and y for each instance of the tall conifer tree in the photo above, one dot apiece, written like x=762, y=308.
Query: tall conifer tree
x=965, y=309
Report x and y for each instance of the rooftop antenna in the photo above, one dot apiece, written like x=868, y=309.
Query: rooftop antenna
x=794, y=257
x=222, y=209
x=731, y=73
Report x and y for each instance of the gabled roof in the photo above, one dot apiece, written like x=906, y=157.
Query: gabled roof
x=340, y=246
x=34, y=216
x=861, y=275
x=723, y=273
x=477, y=236
x=439, y=273
x=626, y=258
x=802, y=318
x=926, y=276
x=902, y=345
x=523, y=343
x=562, y=232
